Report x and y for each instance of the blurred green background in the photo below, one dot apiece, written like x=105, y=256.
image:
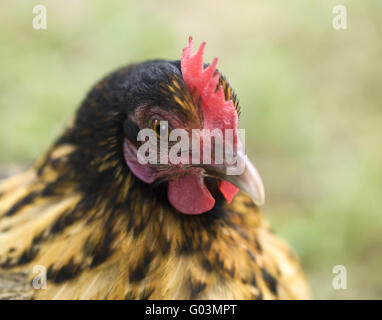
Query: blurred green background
x=310, y=95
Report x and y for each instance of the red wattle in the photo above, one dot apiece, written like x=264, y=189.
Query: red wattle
x=190, y=195
x=228, y=190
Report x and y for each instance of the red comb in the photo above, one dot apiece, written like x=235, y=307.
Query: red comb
x=217, y=112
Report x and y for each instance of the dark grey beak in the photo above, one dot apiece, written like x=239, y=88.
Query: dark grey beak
x=247, y=180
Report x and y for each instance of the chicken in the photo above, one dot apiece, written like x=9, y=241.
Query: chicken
x=105, y=226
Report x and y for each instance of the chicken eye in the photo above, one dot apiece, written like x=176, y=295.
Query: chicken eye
x=161, y=129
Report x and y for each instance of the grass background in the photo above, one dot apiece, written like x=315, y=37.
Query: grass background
x=310, y=95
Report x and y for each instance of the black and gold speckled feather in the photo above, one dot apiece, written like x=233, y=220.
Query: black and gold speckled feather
x=101, y=233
